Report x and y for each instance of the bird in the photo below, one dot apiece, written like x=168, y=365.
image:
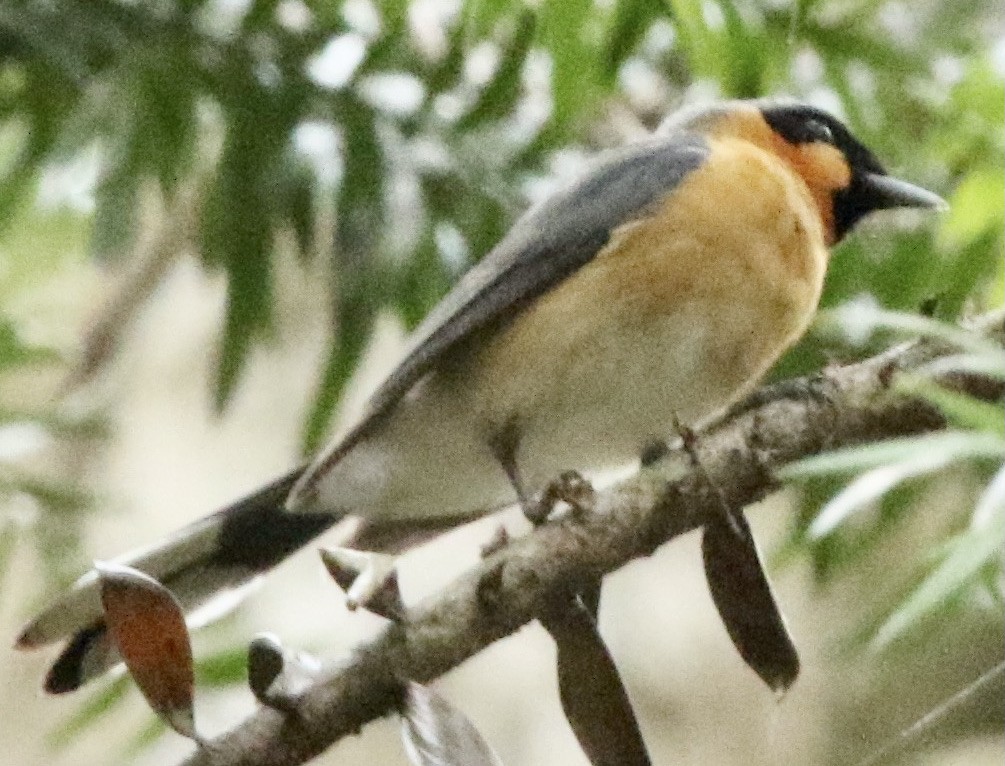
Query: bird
x=656, y=289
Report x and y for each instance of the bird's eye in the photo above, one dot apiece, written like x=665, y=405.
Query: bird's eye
x=819, y=131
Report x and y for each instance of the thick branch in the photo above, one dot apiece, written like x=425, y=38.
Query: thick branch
x=848, y=405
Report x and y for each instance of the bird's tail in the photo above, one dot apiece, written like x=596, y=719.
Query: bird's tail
x=210, y=557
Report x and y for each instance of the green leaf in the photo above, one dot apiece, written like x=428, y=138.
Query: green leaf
x=500, y=93
x=874, y=484
x=295, y=205
x=166, y=126
x=629, y=22
x=94, y=708
x=360, y=204
x=695, y=38
x=747, y=53
x=142, y=739
x=961, y=410
x=236, y=233
x=14, y=352
x=224, y=668
x=115, y=214
x=422, y=283
x=858, y=319
x=355, y=327
x=481, y=16
x=447, y=72
x=968, y=554
x=564, y=29
x=974, y=208
x=359, y=288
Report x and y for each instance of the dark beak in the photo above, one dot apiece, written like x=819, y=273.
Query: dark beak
x=882, y=192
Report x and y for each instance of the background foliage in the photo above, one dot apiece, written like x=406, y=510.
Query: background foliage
x=393, y=143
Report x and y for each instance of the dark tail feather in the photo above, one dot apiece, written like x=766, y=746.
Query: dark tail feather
x=208, y=558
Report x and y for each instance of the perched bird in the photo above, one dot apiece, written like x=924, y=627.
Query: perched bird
x=659, y=288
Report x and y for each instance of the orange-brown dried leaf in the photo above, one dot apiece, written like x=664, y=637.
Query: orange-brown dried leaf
x=148, y=627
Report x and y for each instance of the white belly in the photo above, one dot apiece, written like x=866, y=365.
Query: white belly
x=590, y=407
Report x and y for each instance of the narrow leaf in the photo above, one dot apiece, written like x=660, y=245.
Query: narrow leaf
x=630, y=20
x=87, y=714
x=743, y=597
x=873, y=484
x=435, y=733
x=989, y=365
x=958, y=444
x=500, y=93
x=575, y=74
x=861, y=317
x=959, y=409
x=969, y=554
x=991, y=504
x=594, y=699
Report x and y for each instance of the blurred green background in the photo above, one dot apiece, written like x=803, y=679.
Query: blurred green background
x=217, y=220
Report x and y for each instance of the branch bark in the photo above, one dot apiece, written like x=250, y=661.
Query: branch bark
x=740, y=453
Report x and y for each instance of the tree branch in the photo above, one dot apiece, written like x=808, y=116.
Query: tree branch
x=839, y=407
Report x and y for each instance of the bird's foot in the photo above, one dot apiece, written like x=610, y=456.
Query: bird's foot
x=570, y=487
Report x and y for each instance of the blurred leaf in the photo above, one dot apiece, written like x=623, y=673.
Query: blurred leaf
x=354, y=330
x=860, y=318
x=748, y=53
x=564, y=29
x=955, y=444
x=986, y=365
x=235, y=226
x=973, y=209
x=872, y=485
x=501, y=91
x=143, y=738
x=961, y=411
x=115, y=214
x=359, y=286
x=629, y=22
x=991, y=502
x=295, y=206
x=14, y=352
x=885, y=465
x=481, y=16
x=423, y=282
x=967, y=555
x=94, y=708
x=222, y=668
x=435, y=733
x=696, y=39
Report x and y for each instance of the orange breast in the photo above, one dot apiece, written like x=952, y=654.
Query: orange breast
x=684, y=309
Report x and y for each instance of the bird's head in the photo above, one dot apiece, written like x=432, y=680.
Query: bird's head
x=844, y=177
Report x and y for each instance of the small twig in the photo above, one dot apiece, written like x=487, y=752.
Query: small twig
x=147, y=265
x=899, y=743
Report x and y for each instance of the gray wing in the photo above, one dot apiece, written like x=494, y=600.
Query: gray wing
x=546, y=245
